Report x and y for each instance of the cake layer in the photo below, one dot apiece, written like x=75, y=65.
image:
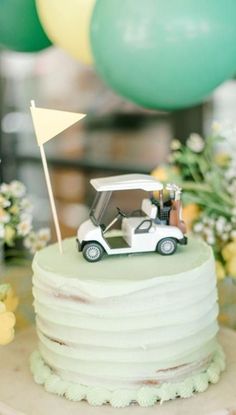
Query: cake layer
x=129, y=320
x=114, y=323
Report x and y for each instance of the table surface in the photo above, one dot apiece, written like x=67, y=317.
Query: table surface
x=19, y=395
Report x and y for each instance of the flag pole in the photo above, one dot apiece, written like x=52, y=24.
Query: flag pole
x=50, y=193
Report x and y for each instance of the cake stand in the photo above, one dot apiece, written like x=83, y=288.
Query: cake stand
x=19, y=395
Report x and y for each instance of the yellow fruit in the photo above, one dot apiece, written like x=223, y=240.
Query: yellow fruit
x=11, y=301
x=7, y=322
x=231, y=267
x=220, y=271
x=229, y=250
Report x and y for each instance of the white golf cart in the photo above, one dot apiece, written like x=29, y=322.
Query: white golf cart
x=157, y=226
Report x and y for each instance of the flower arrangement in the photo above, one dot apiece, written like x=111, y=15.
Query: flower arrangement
x=8, y=304
x=206, y=170
x=16, y=219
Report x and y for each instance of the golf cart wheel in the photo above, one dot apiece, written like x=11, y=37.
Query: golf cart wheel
x=93, y=252
x=167, y=246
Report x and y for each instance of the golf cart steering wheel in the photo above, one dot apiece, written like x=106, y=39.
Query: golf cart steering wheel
x=121, y=213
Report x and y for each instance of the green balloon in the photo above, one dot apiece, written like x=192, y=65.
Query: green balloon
x=20, y=28
x=164, y=54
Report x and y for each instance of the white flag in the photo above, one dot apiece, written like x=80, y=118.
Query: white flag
x=48, y=123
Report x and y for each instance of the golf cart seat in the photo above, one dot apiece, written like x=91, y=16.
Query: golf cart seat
x=149, y=208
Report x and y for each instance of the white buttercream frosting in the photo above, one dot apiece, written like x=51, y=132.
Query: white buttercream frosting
x=144, y=396
x=130, y=328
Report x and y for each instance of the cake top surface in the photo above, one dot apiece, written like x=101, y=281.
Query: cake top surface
x=133, y=267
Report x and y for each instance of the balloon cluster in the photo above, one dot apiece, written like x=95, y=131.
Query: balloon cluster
x=157, y=53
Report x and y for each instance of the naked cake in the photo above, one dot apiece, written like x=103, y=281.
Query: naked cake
x=134, y=328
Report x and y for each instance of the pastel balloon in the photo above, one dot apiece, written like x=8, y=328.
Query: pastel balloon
x=20, y=28
x=67, y=25
x=164, y=54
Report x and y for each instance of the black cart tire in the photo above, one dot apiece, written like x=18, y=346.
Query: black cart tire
x=167, y=246
x=93, y=252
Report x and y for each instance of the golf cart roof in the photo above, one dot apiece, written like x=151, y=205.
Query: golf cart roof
x=127, y=182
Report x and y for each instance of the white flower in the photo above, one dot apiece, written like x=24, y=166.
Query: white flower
x=44, y=234
x=196, y=143
x=17, y=188
x=37, y=246
x=208, y=232
x=228, y=227
x=198, y=227
x=206, y=220
x=221, y=222
x=4, y=216
x=27, y=243
x=211, y=222
x=175, y=145
x=225, y=237
x=34, y=246
x=4, y=202
x=233, y=234
x=210, y=240
x=29, y=240
x=37, y=240
x=216, y=127
x=23, y=228
x=221, y=219
x=26, y=205
x=26, y=217
x=220, y=226
x=4, y=188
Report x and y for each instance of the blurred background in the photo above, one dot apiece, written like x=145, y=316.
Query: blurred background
x=153, y=80
x=116, y=137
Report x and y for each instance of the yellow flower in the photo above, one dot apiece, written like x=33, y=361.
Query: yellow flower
x=231, y=266
x=4, y=216
x=14, y=210
x=190, y=213
x=9, y=234
x=7, y=322
x=2, y=212
x=160, y=173
x=220, y=271
x=175, y=145
x=216, y=127
x=165, y=173
x=222, y=159
x=229, y=250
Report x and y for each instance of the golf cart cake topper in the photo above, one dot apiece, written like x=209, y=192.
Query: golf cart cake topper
x=156, y=227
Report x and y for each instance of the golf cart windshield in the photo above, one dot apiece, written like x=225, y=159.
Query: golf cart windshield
x=99, y=206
